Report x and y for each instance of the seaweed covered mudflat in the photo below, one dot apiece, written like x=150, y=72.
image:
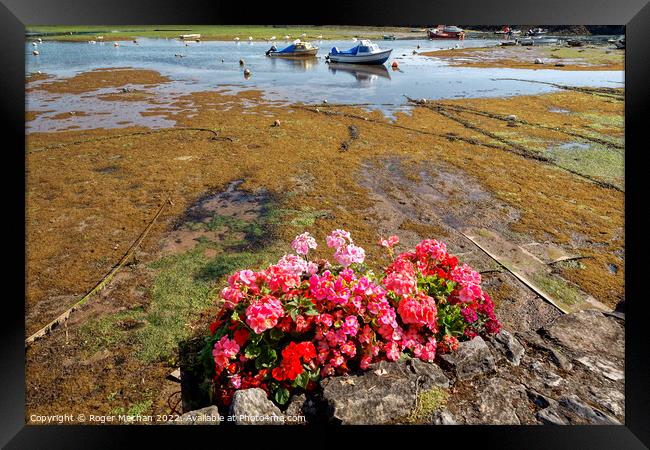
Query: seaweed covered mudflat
x=527, y=187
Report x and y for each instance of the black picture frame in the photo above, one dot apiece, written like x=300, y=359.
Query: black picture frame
x=635, y=14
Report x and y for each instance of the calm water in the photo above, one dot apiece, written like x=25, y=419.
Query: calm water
x=308, y=81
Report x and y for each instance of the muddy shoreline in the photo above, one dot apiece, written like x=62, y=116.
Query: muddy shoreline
x=90, y=193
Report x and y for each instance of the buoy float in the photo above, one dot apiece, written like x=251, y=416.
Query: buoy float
x=39, y=40
x=395, y=65
x=236, y=38
x=250, y=38
x=35, y=53
x=247, y=72
x=34, y=44
x=116, y=44
x=241, y=62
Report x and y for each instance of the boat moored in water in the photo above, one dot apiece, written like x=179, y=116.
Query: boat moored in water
x=365, y=52
x=296, y=49
x=446, y=32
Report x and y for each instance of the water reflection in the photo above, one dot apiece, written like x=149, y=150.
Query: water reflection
x=297, y=63
x=364, y=73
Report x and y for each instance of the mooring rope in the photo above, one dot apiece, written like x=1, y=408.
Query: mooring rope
x=100, y=285
x=136, y=133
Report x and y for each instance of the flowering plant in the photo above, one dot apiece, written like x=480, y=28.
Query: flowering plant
x=285, y=327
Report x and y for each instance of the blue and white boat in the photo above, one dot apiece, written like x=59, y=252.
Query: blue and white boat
x=297, y=49
x=365, y=52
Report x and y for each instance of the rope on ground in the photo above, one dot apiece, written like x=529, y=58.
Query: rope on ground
x=611, y=93
x=518, y=276
x=137, y=133
x=515, y=148
x=503, y=118
x=102, y=283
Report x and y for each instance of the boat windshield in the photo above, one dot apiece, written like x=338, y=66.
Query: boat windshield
x=368, y=48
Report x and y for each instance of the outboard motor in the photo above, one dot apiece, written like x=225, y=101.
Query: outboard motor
x=272, y=49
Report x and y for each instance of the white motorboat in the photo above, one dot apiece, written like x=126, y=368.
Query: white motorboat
x=365, y=52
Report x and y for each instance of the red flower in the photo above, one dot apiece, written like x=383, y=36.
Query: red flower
x=278, y=373
x=214, y=325
x=241, y=336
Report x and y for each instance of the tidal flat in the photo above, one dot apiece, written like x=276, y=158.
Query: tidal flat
x=239, y=173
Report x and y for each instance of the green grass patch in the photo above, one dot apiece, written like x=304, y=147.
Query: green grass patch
x=103, y=332
x=208, y=32
x=427, y=403
x=136, y=409
x=557, y=288
x=595, y=161
x=600, y=121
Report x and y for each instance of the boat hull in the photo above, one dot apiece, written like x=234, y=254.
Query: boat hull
x=298, y=54
x=375, y=58
x=446, y=35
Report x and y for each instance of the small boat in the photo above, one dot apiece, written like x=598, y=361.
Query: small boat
x=620, y=43
x=446, y=32
x=296, y=49
x=536, y=31
x=189, y=36
x=365, y=52
x=537, y=41
x=575, y=43
x=508, y=43
x=389, y=37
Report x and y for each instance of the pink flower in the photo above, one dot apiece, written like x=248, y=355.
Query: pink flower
x=469, y=315
x=400, y=283
x=263, y=314
x=350, y=326
x=338, y=238
x=349, y=254
x=303, y=242
x=430, y=248
x=235, y=381
x=392, y=351
x=293, y=264
x=224, y=350
x=390, y=242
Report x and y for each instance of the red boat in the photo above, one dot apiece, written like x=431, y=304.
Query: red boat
x=446, y=32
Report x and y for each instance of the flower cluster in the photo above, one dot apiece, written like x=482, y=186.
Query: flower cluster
x=286, y=327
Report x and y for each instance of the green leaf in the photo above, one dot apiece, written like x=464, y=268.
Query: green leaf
x=266, y=358
x=252, y=351
x=276, y=334
x=281, y=396
x=302, y=380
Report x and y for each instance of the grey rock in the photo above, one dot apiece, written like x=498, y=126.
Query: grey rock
x=252, y=407
x=295, y=412
x=611, y=399
x=500, y=400
x=604, y=367
x=573, y=405
x=385, y=394
x=546, y=376
x=471, y=359
x=550, y=416
x=536, y=341
x=443, y=417
x=204, y=416
x=509, y=346
x=587, y=332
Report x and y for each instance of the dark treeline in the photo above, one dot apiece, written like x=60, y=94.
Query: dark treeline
x=562, y=29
